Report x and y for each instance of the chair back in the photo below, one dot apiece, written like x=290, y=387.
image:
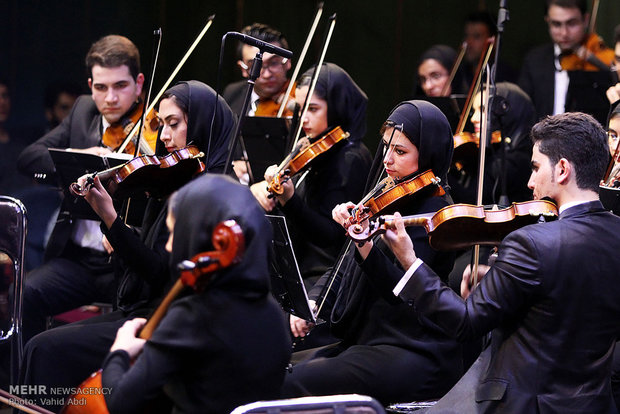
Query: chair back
x=336, y=404
x=12, y=243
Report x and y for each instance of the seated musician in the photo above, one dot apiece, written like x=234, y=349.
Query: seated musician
x=214, y=350
x=384, y=352
x=77, y=270
x=66, y=355
x=551, y=300
x=433, y=75
x=332, y=178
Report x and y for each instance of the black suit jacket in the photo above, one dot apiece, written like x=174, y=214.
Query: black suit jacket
x=537, y=79
x=234, y=95
x=80, y=129
x=553, y=300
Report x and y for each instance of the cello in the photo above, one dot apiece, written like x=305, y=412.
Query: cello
x=229, y=244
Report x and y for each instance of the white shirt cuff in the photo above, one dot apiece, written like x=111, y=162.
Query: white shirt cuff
x=403, y=281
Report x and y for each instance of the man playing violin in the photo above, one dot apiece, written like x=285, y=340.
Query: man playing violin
x=552, y=88
x=77, y=270
x=272, y=82
x=551, y=299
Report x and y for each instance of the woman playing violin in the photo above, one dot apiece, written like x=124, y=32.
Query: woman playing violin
x=513, y=115
x=333, y=177
x=199, y=355
x=380, y=354
x=186, y=111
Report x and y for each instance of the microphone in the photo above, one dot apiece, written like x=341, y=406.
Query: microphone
x=262, y=46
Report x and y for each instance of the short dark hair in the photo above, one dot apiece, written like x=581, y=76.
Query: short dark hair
x=485, y=18
x=580, y=139
x=582, y=5
x=262, y=32
x=113, y=51
x=53, y=91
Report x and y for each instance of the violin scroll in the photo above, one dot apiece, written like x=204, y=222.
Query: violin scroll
x=229, y=246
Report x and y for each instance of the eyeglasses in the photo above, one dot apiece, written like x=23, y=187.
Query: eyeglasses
x=275, y=64
x=433, y=77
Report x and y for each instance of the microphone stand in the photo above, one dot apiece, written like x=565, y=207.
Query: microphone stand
x=257, y=64
x=502, y=17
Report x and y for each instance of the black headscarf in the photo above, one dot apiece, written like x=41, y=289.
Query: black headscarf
x=346, y=101
x=517, y=113
x=428, y=129
x=199, y=99
x=203, y=203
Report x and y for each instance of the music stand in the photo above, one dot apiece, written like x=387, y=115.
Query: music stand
x=286, y=282
x=586, y=93
x=265, y=142
x=70, y=166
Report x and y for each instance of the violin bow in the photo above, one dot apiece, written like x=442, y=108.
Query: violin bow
x=158, y=35
x=302, y=56
x=455, y=68
x=174, y=73
x=315, y=77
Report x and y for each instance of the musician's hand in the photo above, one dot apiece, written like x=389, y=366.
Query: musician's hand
x=466, y=282
x=126, y=337
x=341, y=213
x=270, y=172
x=106, y=245
x=613, y=93
x=301, y=327
x=287, y=186
x=259, y=190
x=400, y=243
x=92, y=150
x=240, y=167
x=101, y=202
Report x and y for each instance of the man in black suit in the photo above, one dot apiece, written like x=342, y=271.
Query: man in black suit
x=552, y=89
x=77, y=270
x=552, y=297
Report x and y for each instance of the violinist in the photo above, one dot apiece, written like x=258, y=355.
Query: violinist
x=513, y=115
x=613, y=131
x=542, y=75
x=76, y=266
x=613, y=93
x=333, y=177
x=199, y=355
x=271, y=85
x=186, y=111
x=383, y=351
x=434, y=68
x=552, y=298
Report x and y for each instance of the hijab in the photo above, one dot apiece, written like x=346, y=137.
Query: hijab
x=517, y=113
x=201, y=104
x=346, y=102
x=198, y=207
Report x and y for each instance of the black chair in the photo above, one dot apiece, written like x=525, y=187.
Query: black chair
x=337, y=404
x=12, y=243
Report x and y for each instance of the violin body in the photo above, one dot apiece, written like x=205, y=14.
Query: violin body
x=393, y=195
x=466, y=146
x=159, y=176
x=303, y=158
x=460, y=226
x=115, y=135
x=592, y=56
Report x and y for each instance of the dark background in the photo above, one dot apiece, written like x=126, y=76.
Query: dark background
x=377, y=41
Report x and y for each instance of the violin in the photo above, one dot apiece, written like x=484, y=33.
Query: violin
x=159, y=176
x=466, y=145
x=114, y=136
x=592, y=55
x=229, y=244
x=460, y=226
x=389, y=195
x=301, y=157
x=271, y=107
